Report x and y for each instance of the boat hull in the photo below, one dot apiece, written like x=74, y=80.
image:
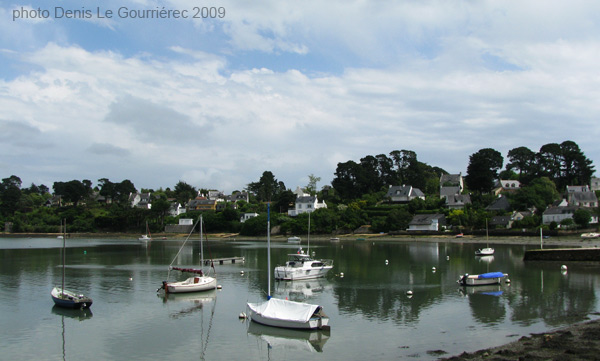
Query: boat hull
x=313, y=323
x=484, y=252
x=192, y=284
x=69, y=299
x=287, y=273
x=485, y=279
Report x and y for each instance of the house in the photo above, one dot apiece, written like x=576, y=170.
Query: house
x=505, y=186
x=176, y=208
x=404, y=194
x=186, y=225
x=558, y=214
x=140, y=200
x=202, y=204
x=501, y=222
x=581, y=196
x=427, y=222
x=519, y=215
x=595, y=184
x=239, y=196
x=216, y=195
x=457, y=201
x=453, y=181
x=247, y=216
x=306, y=204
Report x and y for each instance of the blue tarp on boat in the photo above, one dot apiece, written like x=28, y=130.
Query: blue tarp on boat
x=491, y=275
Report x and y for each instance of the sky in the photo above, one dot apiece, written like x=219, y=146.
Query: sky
x=152, y=92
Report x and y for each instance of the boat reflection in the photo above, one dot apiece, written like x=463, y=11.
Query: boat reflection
x=300, y=290
x=491, y=290
x=74, y=313
x=289, y=339
x=194, y=301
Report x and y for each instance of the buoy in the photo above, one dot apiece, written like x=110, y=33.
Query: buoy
x=84, y=252
x=447, y=258
x=409, y=292
x=243, y=315
x=433, y=269
x=563, y=267
x=219, y=287
x=507, y=280
x=131, y=278
x=341, y=274
x=386, y=261
x=241, y=272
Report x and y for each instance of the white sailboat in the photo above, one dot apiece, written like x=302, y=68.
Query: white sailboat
x=487, y=251
x=146, y=237
x=284, y=313
x=61, y=296
x=197, y=283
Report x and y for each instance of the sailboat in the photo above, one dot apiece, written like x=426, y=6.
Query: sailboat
x=487, y=251
x=301, y=266
x=284, y=313
x=198, y=282
x=63, y=297
x=146, y=237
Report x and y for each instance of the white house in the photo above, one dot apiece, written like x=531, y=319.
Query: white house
x=306, y=204
x=427, y=222
x=247, y=216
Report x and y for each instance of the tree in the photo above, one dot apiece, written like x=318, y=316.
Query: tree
x=582, y=217
x=576, y=168
x=73, y=191
x=184, y=192
x=311, y=188
x=522, y=159
x=267, y=188
x=345, y=181
x=10, y=195
x=482, y=170
x=540, y=193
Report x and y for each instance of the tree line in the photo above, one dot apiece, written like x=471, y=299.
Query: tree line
x=356, y=196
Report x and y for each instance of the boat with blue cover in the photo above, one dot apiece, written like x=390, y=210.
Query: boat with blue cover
x=484, y=279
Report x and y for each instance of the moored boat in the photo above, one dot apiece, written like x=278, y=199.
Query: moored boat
x=301, y=266
x=490, y=278
x=69, y=299
x=590, y=235
x=293, y=239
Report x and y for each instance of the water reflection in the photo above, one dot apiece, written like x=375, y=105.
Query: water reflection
x=191, y=302
x=301, y=290
x=289, y=339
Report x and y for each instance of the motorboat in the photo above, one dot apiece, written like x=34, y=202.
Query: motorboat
x=300, y=266
x=293, y=239
x=590, y=235
x=488, y=251
x=484, y=279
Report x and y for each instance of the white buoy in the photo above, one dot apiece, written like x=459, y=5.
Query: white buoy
x=447, y=258
x=386, y=261
x=409, y=292
x=131, y=278
x=219, y=287
x=507, y=280
x=243, y=315
x=341, y=274
x=563, y=267
x=433, y=269
x=241, y=272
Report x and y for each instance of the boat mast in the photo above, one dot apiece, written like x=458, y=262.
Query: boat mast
x=308, y=236
x=269, y=250
x=64, y=250
x=201, y=247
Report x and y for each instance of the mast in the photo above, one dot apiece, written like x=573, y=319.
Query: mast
x=269, y=250
x=308, y=236
x=62, y=290
x=201, y=247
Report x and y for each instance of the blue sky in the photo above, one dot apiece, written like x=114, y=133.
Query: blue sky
x=290, y=87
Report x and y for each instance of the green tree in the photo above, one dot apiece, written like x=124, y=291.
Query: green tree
x=482, y=170
x=267, y=188
x=311, y=187
x=540, y=193
x=73, y=191
x=523, y=160
x=10, y=195
x=582, y=217
x=184, y=192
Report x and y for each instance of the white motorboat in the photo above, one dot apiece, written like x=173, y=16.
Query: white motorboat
x=590, y=235
x=285, y=313
x=293, y=239
x=484, y=279
x=301, y=266
x=488, y=251
x=197, y=283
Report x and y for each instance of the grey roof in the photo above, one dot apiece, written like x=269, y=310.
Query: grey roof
x=561, y=210
x=583, y=197
x=449, y=191
x=306, y=199
x=450, y=178
x=500, y=204
x=458, y=199
x=404, y=191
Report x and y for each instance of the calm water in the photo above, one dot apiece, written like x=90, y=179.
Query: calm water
x=371, y=315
